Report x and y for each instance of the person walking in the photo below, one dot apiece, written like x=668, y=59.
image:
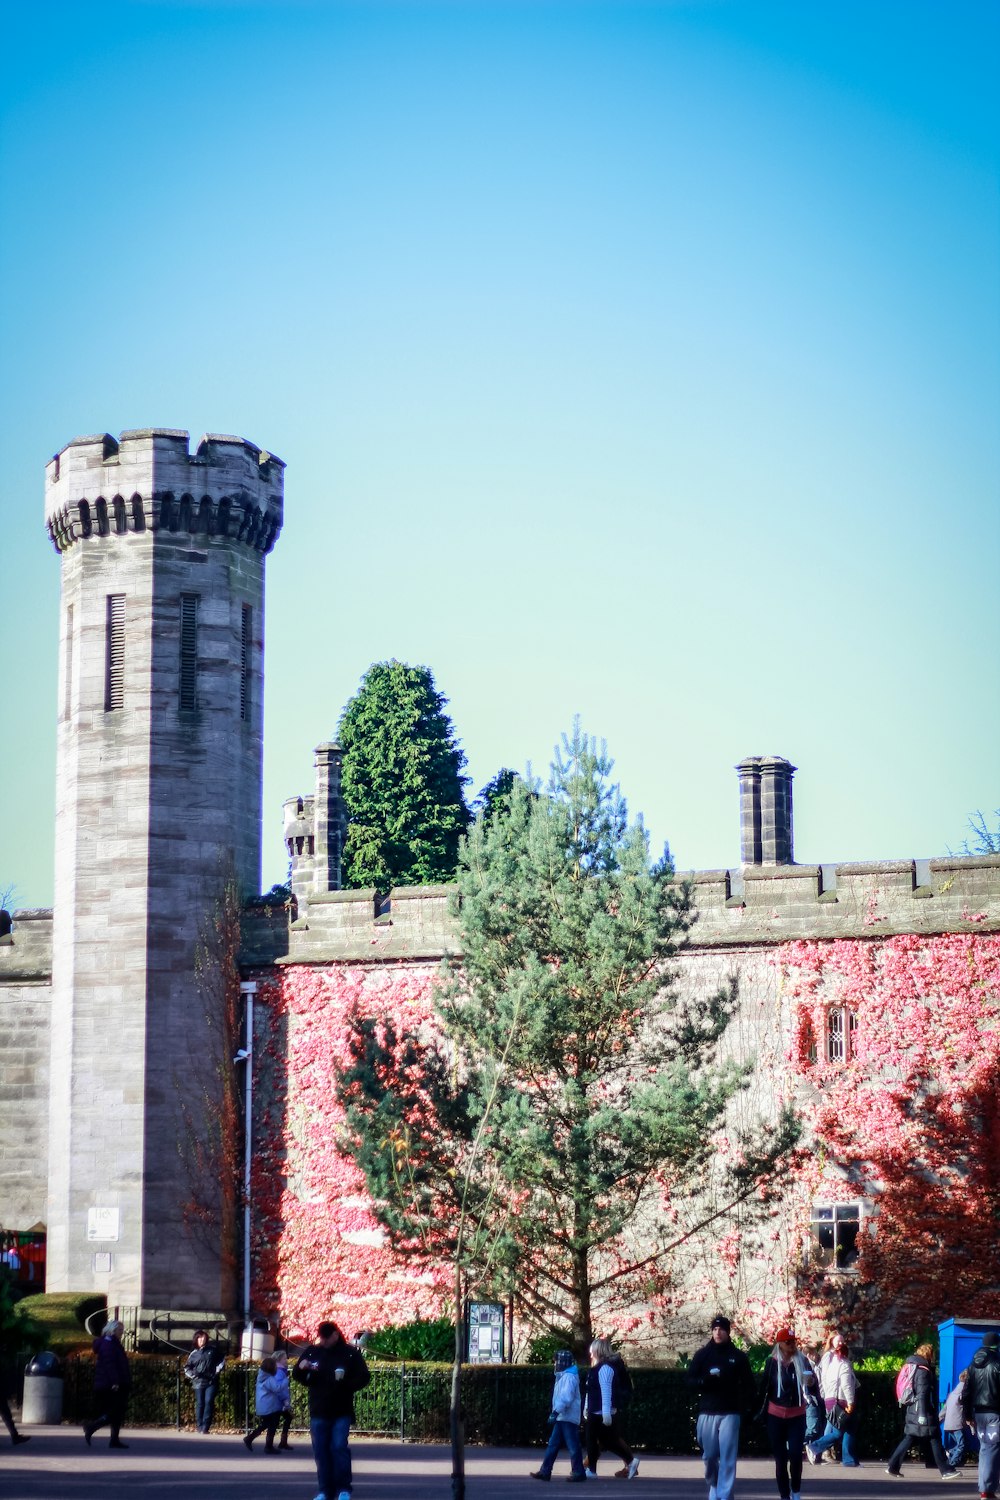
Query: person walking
x=953, y=1423
x=112, y=1380
x=981, y=1405
x=920, y=1425
x=720, y=1374
x=609, y=1387
x=565, y=1419
x=281, y=1361
x=269, y=1397
x=332, y=1371
x=839, y=1390
x=783, y=1397
x=203, y=1368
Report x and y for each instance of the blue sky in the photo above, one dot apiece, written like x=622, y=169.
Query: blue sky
x=634, y=360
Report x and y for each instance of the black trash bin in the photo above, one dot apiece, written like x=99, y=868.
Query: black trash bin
x=43, y=1390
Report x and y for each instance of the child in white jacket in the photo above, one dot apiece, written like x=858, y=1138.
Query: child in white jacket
x=565, y=1420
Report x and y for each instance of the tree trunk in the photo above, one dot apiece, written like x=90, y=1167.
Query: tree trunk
x=457, y=1420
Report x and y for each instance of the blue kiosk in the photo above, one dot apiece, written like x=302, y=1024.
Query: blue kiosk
x=959, y=1339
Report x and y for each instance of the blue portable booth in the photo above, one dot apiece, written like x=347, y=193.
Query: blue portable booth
x=959, y=1339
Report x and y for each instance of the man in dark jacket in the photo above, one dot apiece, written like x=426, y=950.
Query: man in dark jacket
x=332, y=1370
x=981, y=1404
x=721, y=1375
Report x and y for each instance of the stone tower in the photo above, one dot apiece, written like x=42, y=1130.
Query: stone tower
x=159, y=768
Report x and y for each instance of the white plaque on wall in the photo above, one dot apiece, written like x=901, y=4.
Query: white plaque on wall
x=102, y=1223
x=102, y=1263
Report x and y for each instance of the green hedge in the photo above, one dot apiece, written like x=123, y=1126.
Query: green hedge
x=506, y=1405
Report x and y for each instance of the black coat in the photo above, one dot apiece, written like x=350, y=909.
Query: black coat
x=329, y=1397
x=921, y=1413
x=982, y=1388
x=202, y=1367
x=729, y=1392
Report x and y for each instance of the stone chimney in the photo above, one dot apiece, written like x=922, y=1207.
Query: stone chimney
x=331, y=818
x=766, y=810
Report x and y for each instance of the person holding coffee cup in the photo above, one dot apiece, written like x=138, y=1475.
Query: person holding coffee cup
x=721, y=1375
x=332, y=1370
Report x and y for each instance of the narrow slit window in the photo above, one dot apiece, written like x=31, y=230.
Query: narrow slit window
x=68, y=685
x=189, y=653
x=114, y=670
x=246, y=652
x=835, y=1038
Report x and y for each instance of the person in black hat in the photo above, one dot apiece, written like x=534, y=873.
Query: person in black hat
x=981, y=1404
x=721, y=1375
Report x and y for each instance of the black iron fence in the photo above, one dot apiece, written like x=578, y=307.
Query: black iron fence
x=506, y=1405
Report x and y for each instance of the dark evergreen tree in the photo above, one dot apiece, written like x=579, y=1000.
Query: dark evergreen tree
x=494, y=799
x=402, y=781
x=575, y=1100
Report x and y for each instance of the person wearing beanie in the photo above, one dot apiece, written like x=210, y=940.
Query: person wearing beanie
x=981, y=1404
x=565, y=1419
x=720, y=1374
x=785, y=1383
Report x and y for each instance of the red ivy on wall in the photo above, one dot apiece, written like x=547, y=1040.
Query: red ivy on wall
x=318, y=1250
x=909, y=1121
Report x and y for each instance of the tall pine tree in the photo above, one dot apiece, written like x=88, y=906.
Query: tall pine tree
x=573, y=1096
x=402, y=781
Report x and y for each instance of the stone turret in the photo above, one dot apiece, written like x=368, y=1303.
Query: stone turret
x=315, y=830
x=158, y=790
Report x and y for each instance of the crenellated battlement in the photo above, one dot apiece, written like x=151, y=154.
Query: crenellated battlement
x=148, y=481
x=782, y=903
x=26, y=947
x=775, y=904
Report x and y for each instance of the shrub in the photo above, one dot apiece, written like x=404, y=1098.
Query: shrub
x=421, y=1339
x=61, y=1317
x=542, y=1348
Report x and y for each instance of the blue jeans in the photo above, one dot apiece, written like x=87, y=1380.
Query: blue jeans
x=988, y=1433
x=837, y=1435
x=954, y=1445
x=564, y=1435
x=204, y=1406
x=815, y=1422
x=332, y=1455
x=719, y=1441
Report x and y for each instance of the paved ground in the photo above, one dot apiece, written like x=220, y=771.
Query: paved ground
x=56, y=1465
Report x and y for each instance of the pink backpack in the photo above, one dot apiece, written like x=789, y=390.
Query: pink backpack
x=904, y=1384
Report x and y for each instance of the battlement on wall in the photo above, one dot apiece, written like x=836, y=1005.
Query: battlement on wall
x=148, y=480
x=776, y=904
x=412, y=922
x=782, y=903
x=26, y=948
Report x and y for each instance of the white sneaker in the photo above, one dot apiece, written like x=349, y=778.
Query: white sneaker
x=633, y=1469
x=795, y=1495
x=344, y=1495
x=590, y=1474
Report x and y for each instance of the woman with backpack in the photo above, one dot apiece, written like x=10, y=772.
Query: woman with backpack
x=915, y=1391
